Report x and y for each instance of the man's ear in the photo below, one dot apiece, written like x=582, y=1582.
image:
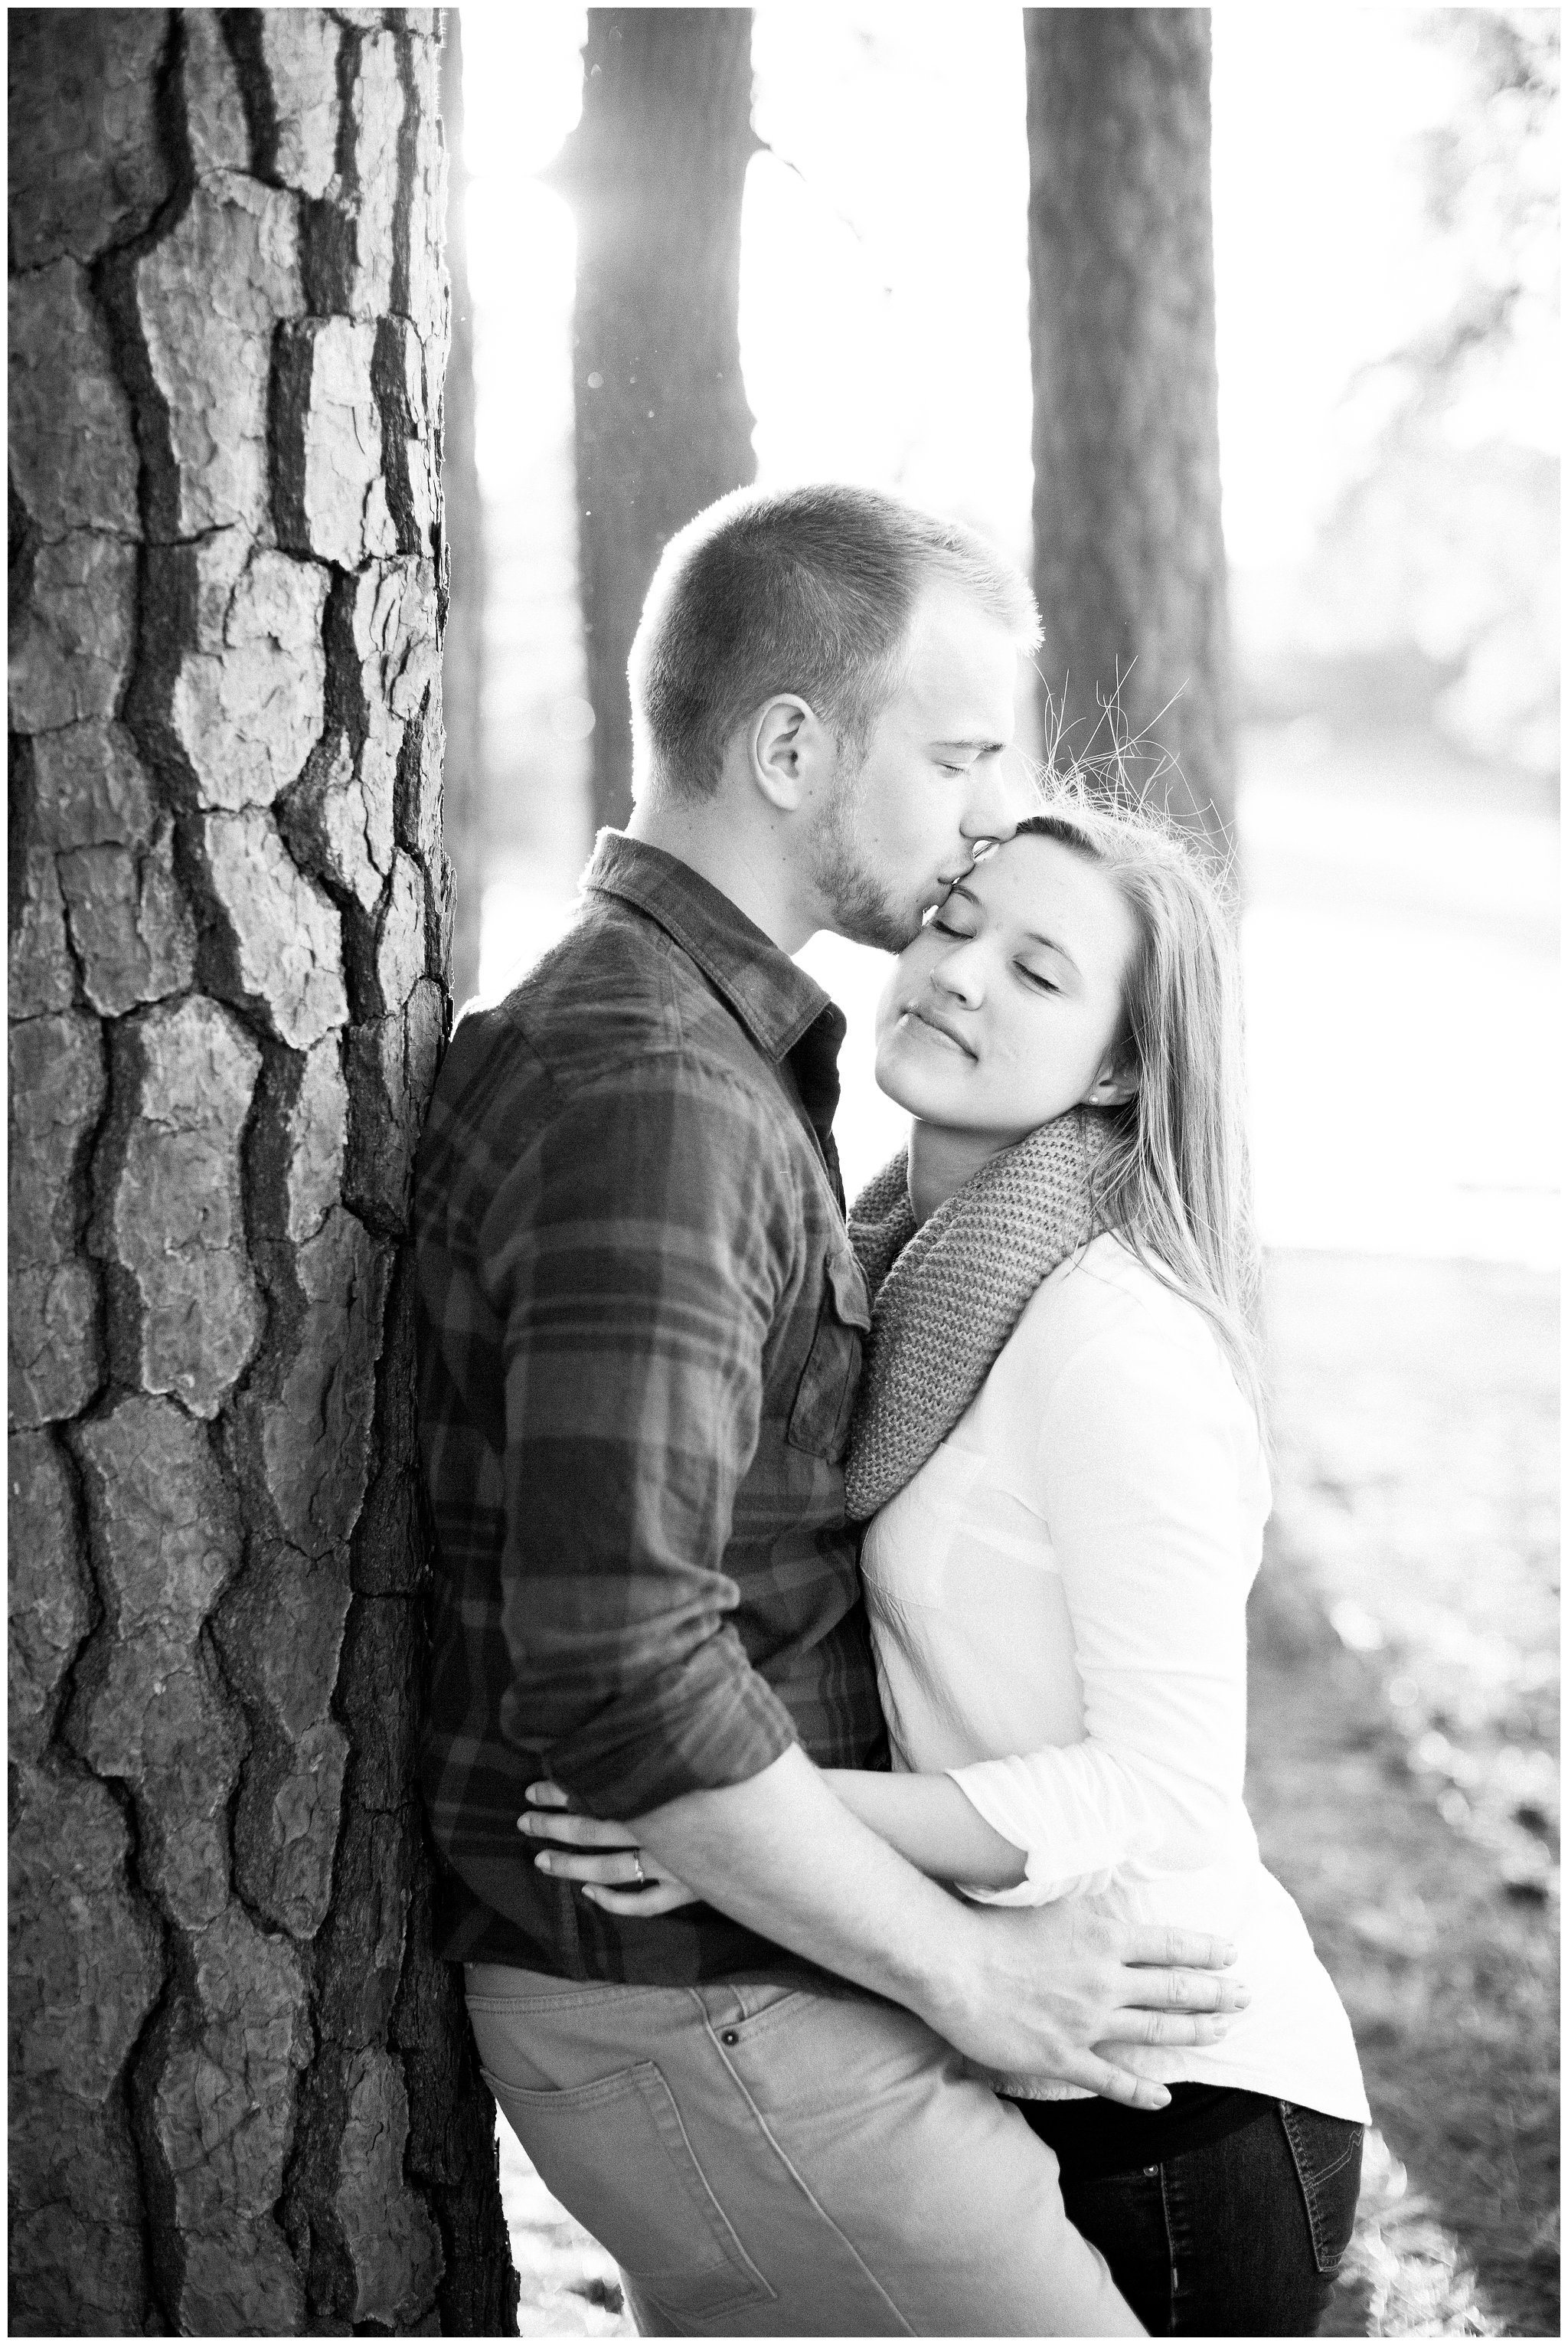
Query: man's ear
x=1115, y=1084
x=786, y=742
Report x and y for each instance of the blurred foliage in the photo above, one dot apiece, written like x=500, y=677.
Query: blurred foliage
x=1491, y=175
x=1445, y=547
x=1448, y=555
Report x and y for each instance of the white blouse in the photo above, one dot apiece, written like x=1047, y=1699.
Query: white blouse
x=1058, y=1603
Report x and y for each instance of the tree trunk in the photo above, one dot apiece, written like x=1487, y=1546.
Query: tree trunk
x=462, y=654
x=1129, y=562
x=243, y=2097
x=655, y=172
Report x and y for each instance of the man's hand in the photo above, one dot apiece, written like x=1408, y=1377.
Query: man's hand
x=1052, y=1990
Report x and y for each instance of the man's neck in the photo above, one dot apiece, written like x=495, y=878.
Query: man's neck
x=942, y=1159
x=730, y=855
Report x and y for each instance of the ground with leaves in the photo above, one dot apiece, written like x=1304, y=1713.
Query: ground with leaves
x=1403, y=1764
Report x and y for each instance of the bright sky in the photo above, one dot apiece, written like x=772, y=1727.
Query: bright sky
x=883, y=288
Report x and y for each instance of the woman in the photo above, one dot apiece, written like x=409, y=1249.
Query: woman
x=1058, y=1445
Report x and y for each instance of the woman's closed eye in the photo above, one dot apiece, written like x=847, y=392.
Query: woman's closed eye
x=1037, y=978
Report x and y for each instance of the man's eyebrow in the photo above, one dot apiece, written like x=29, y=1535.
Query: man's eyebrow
x=982, y=748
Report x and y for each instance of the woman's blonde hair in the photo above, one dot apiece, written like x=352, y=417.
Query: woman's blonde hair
x=1175, y=1182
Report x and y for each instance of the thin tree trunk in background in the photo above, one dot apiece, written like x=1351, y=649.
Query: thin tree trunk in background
x=1129, y=561
x=462, y=654
x=242, y=2090
x=655, y=173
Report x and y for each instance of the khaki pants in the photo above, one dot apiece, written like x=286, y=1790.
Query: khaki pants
x=768, y=2159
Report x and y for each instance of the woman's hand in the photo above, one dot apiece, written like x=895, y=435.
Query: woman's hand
x=614, y=1873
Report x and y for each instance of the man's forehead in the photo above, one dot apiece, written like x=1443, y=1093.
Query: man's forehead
x=950, y=614
x=962, y=666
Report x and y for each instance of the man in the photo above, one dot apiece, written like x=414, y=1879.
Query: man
x=642, y=1330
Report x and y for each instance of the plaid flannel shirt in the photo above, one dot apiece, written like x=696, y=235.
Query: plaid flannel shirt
x=641, y=1326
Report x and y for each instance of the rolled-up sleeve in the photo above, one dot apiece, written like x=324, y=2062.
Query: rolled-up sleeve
x=634, y=1260
x=1137, y=1474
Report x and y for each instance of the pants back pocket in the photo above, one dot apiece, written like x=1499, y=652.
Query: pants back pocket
x=616, y=2153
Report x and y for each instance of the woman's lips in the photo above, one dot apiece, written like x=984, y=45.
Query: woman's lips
x=938, y=1029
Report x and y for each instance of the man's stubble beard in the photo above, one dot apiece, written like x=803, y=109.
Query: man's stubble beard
x=858, y=906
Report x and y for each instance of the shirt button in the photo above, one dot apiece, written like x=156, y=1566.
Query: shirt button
x=729, y=2036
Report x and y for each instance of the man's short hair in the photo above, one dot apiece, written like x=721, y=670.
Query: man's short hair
x=808, y=590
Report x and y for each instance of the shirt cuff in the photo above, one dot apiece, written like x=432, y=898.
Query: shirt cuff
x=1004, y=1792
x=711, y=1723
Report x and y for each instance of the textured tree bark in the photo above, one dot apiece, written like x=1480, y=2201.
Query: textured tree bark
x=462, y=650
x=242, y=2088
x=1129, y=561
x=655, y=172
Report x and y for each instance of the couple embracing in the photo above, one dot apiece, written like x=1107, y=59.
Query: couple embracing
x=838, y=1695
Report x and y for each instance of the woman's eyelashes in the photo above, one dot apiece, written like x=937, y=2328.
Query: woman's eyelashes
x=1032, y=977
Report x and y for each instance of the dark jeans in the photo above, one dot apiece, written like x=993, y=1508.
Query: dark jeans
x=1242, y=2238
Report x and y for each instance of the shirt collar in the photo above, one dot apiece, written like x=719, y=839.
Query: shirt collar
x=773, y=1000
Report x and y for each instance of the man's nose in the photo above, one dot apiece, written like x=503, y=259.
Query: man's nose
x=998, y=802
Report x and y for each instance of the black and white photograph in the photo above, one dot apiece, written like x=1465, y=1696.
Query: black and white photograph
x=784, y=1171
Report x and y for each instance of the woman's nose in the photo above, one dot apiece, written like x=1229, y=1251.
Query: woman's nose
x=958, y=973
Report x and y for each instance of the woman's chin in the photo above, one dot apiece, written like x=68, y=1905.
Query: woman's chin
x=912, y=1087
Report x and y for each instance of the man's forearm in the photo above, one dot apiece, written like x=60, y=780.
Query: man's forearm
x=779, y=1853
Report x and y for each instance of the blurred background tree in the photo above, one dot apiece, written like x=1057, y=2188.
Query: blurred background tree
x=1129, y=556
x=654, y=172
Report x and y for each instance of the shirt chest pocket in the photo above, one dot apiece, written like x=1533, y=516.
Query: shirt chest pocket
x=819, y=1416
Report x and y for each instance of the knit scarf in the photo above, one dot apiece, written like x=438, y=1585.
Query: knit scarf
x=947, y=1296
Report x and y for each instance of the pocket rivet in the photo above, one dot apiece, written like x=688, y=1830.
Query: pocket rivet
x=729, y=2036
